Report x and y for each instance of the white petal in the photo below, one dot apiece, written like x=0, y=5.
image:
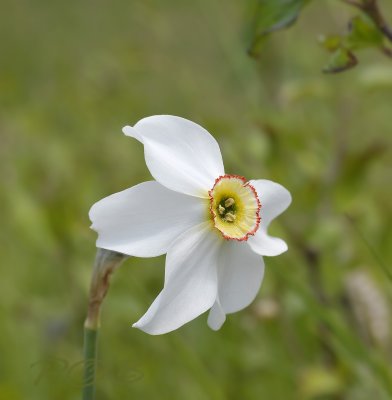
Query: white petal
x=216, y=317
x=144, y=220
x=240, y=275
x=180, y=154
x=265, y=245
x=274, y=200
x=190, y=281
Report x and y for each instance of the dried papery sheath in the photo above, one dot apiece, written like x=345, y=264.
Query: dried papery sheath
x=106, y=262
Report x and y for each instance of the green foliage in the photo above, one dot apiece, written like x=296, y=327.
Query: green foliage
x=363, y=33
x=271, y=16
x=340, y=60
x=367, y=30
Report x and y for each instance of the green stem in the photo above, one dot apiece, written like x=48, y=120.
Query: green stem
x=90, y=362
x=106, y=262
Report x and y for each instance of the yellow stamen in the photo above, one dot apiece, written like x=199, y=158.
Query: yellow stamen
x=229, y=217
x=229, y=202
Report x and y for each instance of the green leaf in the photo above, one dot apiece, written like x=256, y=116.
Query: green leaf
x=363, y=33
x=274, y=15
x=340, y=60
x=331, y=42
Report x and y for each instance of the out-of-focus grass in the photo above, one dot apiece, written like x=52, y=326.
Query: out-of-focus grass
x=71, y=75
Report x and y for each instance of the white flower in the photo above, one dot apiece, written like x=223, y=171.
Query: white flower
x=212, y=226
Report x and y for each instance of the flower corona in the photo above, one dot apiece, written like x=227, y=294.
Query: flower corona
x=234, y=207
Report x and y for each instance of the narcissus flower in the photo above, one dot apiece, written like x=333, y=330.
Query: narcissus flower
x=213, y=226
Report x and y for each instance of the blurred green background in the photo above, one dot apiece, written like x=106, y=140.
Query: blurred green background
x=71, y=75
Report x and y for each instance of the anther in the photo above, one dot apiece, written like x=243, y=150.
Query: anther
x=221, y=210
x=229, y=202
x=229, y=217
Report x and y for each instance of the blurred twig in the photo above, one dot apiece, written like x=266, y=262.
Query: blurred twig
x=371, y=249
x=341, y=145
x=312, y=258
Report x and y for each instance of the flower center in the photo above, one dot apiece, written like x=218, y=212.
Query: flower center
x=234, y=207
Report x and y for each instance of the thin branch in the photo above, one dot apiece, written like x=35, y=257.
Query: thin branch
x=370, y=247
x=387, y=51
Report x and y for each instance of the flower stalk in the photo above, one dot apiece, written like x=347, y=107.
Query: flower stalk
x=89, y=355
x=106, y=262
